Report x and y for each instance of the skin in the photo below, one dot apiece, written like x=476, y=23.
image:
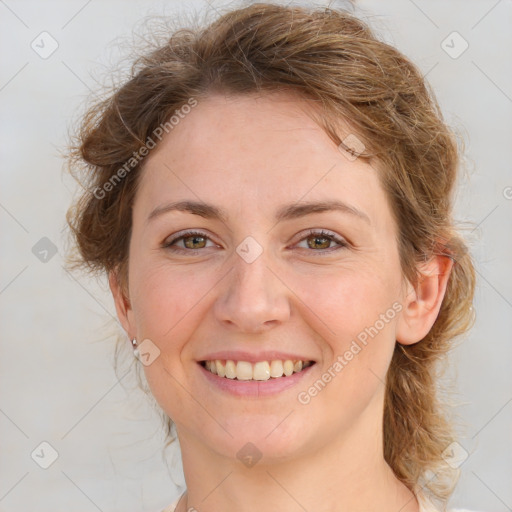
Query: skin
x=250, y=155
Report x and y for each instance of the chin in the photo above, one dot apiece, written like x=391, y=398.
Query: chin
x=266, y=439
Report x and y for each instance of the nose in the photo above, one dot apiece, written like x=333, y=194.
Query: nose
x=253, y=299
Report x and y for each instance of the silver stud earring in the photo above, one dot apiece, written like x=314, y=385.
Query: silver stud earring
x=135, y=349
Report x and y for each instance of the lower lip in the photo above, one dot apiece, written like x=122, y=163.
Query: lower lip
x=255, y=388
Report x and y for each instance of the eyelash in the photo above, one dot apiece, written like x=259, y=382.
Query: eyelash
x=319, y=234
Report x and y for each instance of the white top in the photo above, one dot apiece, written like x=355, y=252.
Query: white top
x=424, y=502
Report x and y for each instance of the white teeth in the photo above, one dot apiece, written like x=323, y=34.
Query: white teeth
x=230, y=370
x=243, y=370
x=288, y=367
x=276, y=369
x=221, y=369
x=262, y=370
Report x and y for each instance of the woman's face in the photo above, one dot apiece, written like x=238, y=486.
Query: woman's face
x=266, y=276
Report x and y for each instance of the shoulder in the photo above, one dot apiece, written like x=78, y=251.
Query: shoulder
x=427, y=506
x=171, y=507
x=461, y=510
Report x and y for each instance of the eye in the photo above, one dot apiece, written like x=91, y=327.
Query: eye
x=190, y=241
x=320, y=241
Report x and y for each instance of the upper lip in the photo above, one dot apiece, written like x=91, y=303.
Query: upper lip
x=240, y=355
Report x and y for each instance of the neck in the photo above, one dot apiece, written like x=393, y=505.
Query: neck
x=344, y=472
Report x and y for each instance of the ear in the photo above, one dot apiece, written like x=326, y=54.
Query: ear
x=423, y=302
x=122, y=303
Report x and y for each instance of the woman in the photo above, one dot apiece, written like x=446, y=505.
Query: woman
x=271, y=199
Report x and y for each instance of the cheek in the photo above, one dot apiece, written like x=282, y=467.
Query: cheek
x=168, y=306
x=355, y=313
x=165, y=298
x=346, y=301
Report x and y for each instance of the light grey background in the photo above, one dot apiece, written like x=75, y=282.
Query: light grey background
x=56, y=378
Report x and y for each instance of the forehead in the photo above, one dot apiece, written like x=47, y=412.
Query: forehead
x=255, y=151
x=246, y=130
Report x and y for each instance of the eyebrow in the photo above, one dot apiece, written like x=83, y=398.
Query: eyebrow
x=287, y=212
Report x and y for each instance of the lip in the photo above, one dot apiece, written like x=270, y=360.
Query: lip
x=238, y=355
x=254, y=388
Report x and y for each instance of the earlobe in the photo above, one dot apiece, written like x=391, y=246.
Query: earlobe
x=122, y=304
x=423, y=302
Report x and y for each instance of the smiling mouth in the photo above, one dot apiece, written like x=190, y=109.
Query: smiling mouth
x=260, y=371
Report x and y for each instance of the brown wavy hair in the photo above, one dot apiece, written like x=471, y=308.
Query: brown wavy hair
x=334, y=59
